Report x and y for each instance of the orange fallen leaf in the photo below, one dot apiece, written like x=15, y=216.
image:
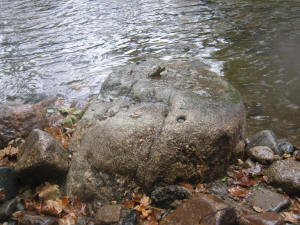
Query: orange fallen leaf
x=187, y=186
x=238, y=191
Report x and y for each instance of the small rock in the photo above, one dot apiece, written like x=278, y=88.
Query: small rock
x=265, y=138
x=9, y=182
x=202, y=209
x=42, y=157
x=268, y=200
x=29, y=218
x=267, y=218
x=7, y=209
x=285, y=174
x=108, y=214
x=262, y=154
x=130, y=218
x=164, y=196
x=285, y=146
x=219, y=188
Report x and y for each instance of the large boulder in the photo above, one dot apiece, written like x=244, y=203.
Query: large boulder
x=157, y=123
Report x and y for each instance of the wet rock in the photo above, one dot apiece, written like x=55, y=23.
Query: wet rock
x=285, y=174
x=180, y=124
x=19, y=120
x=201, y=209
x=9, y=182
x=265, y=138
x=267, y=218
x=130, y=218
x=41, y=158
x=285, y=146
x=8, y=208
x=29, y=218
x=268, y=200
x=108, y=214
x=164, y=196
x=219, y=188
x=262, y=154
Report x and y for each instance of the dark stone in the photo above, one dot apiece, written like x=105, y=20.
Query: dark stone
x=268, y=200
x=9, y=182
x=108, y=214
x=262, y=154
x=182, y=123
x=285, y=174
x=164, y=196
x=30, y=218
x=41, y=158
x=8, y=208
x=265, y=138
x=202, y=209
x=285, y=146
x=266, y=218
x=130, y=218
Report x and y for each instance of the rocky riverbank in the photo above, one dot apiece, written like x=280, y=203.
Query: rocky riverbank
x=164, y=144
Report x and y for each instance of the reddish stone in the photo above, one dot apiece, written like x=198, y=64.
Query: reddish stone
x=202, y=209
x=267, y=218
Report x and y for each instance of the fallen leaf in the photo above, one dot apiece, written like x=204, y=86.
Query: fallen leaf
x=52, y=207
x=68, y=219
x=290, y=217
x=128, y=204
x=257, y=209
x=200, y=188
x=238, y=191
x=48, y=191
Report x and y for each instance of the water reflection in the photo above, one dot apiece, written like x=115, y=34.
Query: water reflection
x=69, y=47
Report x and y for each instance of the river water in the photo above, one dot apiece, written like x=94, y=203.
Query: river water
x=68, y=47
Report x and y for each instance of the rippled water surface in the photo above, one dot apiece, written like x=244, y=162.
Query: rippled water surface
x=68, y=47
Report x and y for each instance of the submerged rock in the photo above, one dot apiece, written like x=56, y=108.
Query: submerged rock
x=9, y=182
x=202, y=209
x=18, y=120
x=285, y=174
x=164, y=196
x=42, y=158
x=163, y=122
x=265, y=138
x=262, y=154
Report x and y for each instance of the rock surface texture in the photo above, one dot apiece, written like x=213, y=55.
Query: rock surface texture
x=202, y=209
x=41, y=158
x=285, y=174
x=157, y=123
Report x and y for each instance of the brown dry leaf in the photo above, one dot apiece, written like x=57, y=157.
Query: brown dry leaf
x=2, y=195
x=59, y=134
x=286, y=156
x=68, y=219
x=8, y=156
x=187, y=186
x=79, y=208
x=290, y=217
x=145, y=200
x=200, y=188
x=48, y=191
x=52, y=207
x=238, y=191
x=128, y=204
x=257, y=209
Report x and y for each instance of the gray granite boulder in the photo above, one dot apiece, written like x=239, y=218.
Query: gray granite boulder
x=156, y=123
